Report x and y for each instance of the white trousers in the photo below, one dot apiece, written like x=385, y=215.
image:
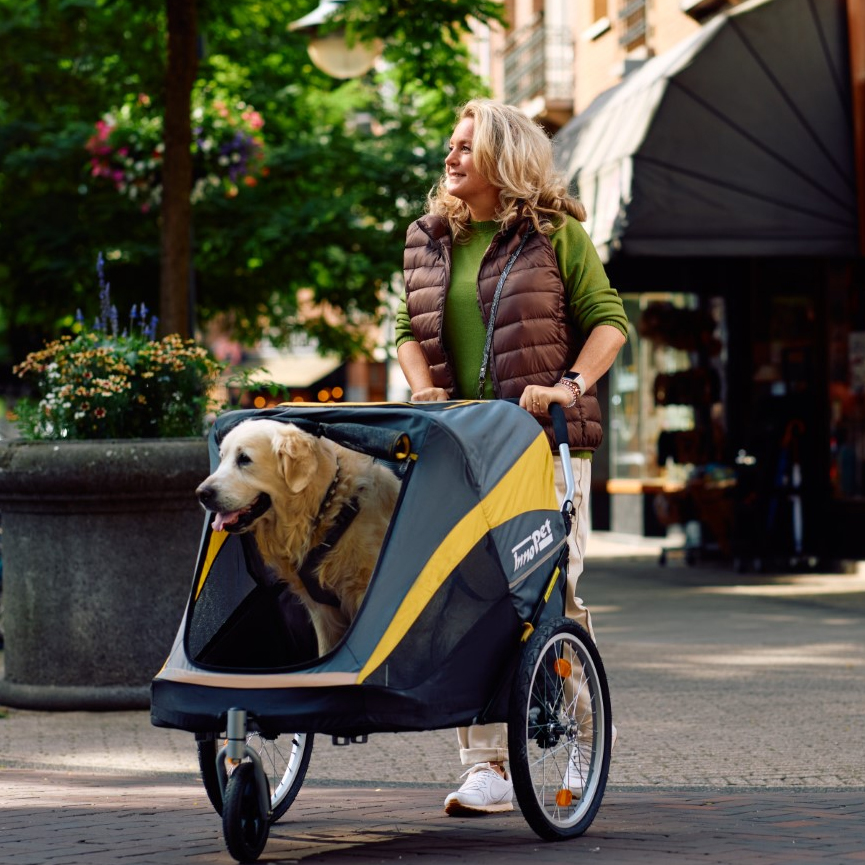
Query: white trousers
x=489, y=742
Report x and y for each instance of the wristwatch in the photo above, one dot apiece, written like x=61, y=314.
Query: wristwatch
x=577, y=379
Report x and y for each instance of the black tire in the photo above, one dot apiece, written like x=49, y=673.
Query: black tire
x=285, y=760
x=207, y=749
x=545, y=724
x=244, y=827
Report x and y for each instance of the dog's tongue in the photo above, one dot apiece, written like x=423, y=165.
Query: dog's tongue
x=222, y=520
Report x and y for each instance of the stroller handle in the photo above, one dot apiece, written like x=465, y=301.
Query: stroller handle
x=560, y=427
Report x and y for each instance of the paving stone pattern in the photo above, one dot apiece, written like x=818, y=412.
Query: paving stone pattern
x=739, y=701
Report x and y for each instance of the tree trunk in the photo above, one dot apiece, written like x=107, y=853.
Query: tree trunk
x=176, y=233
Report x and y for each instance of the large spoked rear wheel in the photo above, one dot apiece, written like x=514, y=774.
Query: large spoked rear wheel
x=559, y=730
x=285, y=760
x=244, y=826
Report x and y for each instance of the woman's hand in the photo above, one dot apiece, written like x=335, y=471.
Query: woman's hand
x=429, y=394
x=537, y=399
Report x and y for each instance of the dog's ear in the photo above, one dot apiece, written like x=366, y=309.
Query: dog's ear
x=297, y=457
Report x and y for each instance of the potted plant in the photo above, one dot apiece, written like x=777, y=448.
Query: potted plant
x=100, y=520
x=228, y=152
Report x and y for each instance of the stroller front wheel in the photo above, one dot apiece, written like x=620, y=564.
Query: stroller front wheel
x=244, y=826
x=559, y=730
x=285, y=759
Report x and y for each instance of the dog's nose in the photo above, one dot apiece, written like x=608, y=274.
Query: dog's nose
x=205, y=494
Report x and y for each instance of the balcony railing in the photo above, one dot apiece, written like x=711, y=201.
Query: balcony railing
x=632, y=24
x=634, y=34
x=539, y=61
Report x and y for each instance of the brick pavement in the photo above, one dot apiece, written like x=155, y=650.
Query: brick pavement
x=61, y=818
x=739, y=700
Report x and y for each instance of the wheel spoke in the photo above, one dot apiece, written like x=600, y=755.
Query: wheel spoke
x=558, y=764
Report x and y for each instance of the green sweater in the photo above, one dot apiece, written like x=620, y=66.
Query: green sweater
x=591, y=301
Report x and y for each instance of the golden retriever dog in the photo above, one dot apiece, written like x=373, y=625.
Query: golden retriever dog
x=296, y=492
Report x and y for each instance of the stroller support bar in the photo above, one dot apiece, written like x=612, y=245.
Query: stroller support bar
x=382, y=443
x=379, y=442
x=570, y=487
x=560, y=427
x=236, y=734
x=235, y=749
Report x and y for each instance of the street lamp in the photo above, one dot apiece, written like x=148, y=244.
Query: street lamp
x=329, y=51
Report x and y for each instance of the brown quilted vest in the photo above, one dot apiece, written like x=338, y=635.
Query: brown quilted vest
x=534, y=341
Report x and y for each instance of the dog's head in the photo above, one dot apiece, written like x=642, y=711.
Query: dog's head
x=259, y=461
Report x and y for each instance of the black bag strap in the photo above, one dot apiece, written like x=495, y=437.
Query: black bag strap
x=485, y=362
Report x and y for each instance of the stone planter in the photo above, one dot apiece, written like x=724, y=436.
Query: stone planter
x=99, y=546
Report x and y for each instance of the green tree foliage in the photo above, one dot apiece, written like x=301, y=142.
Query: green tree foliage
x=61, y=63
x=349, y=163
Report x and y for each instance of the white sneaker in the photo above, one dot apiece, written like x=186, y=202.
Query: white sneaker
x=483, y=792
x=578, y=766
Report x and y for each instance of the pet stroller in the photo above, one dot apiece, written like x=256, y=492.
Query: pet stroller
x=462, y=624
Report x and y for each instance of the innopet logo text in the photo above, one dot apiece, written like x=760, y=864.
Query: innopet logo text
x=525, y=551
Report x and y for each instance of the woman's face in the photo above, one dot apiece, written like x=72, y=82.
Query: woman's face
x=463, y=180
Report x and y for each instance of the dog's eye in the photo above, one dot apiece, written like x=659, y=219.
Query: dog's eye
x=243, y=459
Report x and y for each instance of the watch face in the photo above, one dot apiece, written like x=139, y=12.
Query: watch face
x=571, y=375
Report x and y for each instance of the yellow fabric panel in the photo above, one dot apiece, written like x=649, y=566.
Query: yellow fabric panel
x=517, y=492
x=217, y=539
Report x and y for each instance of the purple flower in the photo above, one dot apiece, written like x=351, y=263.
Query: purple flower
x=105, y=315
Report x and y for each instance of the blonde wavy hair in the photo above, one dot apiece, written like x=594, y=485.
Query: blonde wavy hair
x=516, y=156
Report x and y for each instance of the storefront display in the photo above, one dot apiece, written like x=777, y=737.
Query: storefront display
x=667, y=424
x=846, y=388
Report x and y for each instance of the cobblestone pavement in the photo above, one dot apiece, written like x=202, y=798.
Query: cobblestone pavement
x=739, y=701
x=160, y=821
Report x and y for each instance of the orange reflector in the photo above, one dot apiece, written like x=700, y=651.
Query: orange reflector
x=564, y=798
x=562, y=668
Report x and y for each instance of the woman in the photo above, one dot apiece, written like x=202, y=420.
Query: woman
x=502, y=241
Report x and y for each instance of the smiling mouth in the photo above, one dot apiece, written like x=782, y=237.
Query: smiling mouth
x=238, y=521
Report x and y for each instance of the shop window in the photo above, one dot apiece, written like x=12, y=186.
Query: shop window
x=666, y=387
x=847, y=387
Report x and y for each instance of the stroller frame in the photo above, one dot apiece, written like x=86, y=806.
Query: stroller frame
x=480, y=589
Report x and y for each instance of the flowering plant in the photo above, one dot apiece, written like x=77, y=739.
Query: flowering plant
x=227, y=148
x=107, y=383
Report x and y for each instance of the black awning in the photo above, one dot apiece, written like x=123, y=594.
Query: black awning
x=737, y=142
